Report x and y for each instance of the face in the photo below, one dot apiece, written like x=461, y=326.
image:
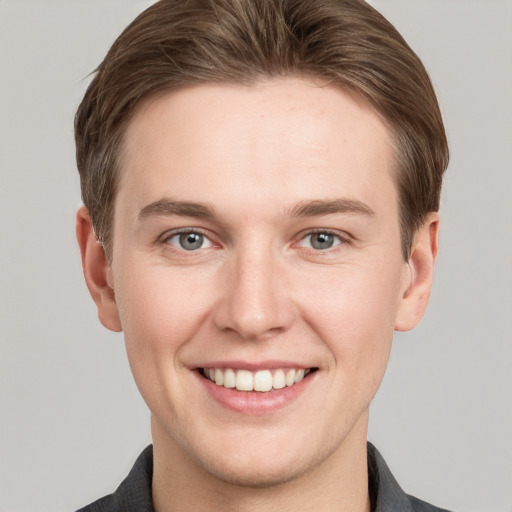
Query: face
x=258, y=273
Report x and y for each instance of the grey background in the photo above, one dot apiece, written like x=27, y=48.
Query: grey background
x=71, y=420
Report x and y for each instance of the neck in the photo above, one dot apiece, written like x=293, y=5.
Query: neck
x=339, y=483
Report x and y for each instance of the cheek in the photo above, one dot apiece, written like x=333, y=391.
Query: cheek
x=354, y=310
x=161, y=306
x=160, y=312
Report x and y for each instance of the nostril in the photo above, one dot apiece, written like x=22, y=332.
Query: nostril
x=254, y=308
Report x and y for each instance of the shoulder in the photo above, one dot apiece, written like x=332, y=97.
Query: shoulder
x=134, y=493
x=386, y=494
x=418, y=505
x=106, y=504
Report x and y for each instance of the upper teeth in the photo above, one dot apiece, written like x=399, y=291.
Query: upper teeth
x=262, y=380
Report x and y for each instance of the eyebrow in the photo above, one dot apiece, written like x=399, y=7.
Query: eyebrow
x=322, y=207
x=314, y=208
x=165, y=207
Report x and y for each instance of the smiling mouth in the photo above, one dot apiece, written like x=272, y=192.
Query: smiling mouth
x=262, y=381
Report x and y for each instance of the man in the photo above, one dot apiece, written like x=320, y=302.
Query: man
x=261, y=183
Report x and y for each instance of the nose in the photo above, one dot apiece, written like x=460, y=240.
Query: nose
x=255, y=301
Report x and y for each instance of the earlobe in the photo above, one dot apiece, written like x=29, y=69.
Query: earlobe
x=97, y=272
x=418, y=282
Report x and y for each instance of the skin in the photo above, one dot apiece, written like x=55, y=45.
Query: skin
x=257, y=290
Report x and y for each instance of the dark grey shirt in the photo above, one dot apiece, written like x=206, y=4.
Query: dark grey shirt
x=134, y=493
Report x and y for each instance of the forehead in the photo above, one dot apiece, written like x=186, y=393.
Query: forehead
x=276, y=140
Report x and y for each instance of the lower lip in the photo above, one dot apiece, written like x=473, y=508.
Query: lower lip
x=255, y=402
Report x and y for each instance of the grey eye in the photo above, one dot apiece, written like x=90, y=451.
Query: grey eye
x=320, y=241
x=189, y=241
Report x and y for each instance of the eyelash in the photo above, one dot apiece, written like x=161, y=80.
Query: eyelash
x=185, y=231
x=341, y=239
x=167, y=237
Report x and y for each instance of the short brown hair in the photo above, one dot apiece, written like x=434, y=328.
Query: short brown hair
x=346, y=43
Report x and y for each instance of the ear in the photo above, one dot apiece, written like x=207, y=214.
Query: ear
x=97, y=272
x=420, y=272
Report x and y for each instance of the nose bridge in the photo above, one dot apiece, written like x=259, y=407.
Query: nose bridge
x=254, y=302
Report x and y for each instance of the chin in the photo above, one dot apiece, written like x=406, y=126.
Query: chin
x=253, y=471
x=260, y=459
